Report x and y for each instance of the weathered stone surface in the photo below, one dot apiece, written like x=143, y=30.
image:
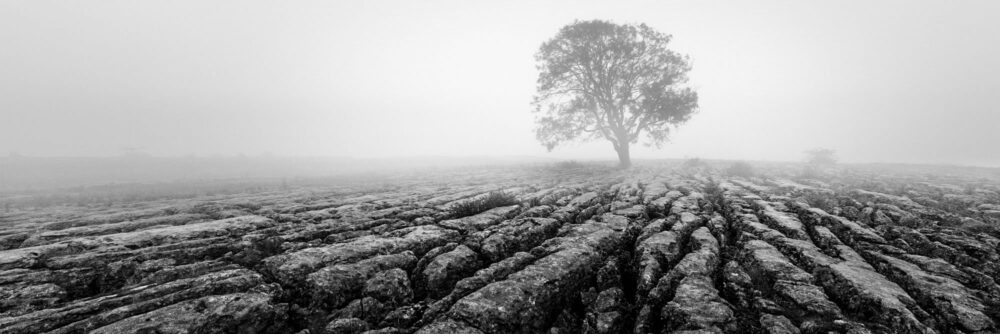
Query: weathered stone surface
x=495, y=272
x=850, y=232
x=783, y=222
x=662, y=204
x=588, y=250
x=369, y=309
x=772, y=263
x=658, y=250
x=503, y=240
x=47, y=237
x=584, y=200
x=88, y=314
x=804, y=253
x=701, y=261
x=867, y=292
x=338, y=284
x=776, y=324
x=750, y=224
x=609, y=300
x=610, y=274
x=609, y=322
x=391, y=287
x=697, y=305
x=688, y=203
x=42, y=255
x=347, y=326
x=686, y=222
x=808, y=298
x=737, y=283
x=446, y=269
x=635, y=211
x=951, y=302
x=526, y=299
x=416, y=213
x=480, y=221
x=238, y=312
x=293, y=267
x=448, y=327
x=403, y=316
x=605, y=314
x=536, y=211
x=653, y=190
x=938, y=266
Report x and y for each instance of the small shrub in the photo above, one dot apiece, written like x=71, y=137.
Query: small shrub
x=492, y=200
x=821, y=157
x=741, y=169
x=567, y=165
x=713, y=193
x=533, y=202
x=810, y=172
x=820, y=201
x=694, y=163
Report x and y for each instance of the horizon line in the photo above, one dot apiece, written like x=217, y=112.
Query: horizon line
x=481, y=157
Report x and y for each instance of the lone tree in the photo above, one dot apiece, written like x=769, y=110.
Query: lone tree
x=599, y=79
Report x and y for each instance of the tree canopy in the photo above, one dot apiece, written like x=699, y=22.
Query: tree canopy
x=598, y=79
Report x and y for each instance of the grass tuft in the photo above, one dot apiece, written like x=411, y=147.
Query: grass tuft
x=713, y=193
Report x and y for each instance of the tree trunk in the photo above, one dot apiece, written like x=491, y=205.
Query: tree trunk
x=624, y=161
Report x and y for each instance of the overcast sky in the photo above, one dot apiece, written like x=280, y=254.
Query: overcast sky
x=878, y=81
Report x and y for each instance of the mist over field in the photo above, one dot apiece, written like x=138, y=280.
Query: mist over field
x=894, y=81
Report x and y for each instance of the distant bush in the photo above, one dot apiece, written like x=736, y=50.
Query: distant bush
x=821, y=201
x=811, y=172
x=567, y=165
x=821, y=157
x=694, y=163
x=742, y=169
x=492, y=200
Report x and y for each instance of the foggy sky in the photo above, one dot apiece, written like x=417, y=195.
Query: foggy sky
x=886, y=81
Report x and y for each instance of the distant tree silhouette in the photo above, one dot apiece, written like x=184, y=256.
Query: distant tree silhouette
x=599, y=79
